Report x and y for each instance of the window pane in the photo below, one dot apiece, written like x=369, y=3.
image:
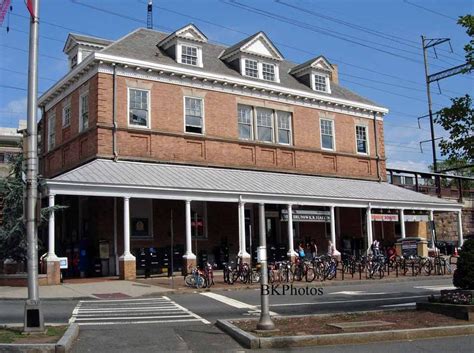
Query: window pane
x=361, y=135
x=138, y=105
x=320, y=83
x=251, y=68
x=268, y=71
x=284, y=136
x=284, y=127
x=244, y=114
x=189, y=55
x=245, y=131
x=193, y=118
x=327, y=134
x=138, y=117
x=265, y=134
x=327, y=141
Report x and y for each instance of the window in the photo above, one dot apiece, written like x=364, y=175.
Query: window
x=284, y=127
x=320, y=83
x=361, y=139
x=251, y=68
x=327, y=134
x=245, y=118
x=51, y=131
x=84, y=112
x=199, y=220
x=141, y=218
x=268, y=71
x=194, y=115
x=264, y=125
x=67, y=115
x=138, y=107
x=189, y=55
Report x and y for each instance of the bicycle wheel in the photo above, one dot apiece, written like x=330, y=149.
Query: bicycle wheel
x=200, y=282
x=310, y=274
x=428, y=267
x=189, y=280
x=255, y=276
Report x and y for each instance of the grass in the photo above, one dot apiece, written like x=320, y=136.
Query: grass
x=15, y=335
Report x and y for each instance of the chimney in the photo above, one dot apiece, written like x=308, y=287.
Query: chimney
x=335, y=74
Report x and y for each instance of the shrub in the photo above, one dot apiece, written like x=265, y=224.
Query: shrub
x=464, y=275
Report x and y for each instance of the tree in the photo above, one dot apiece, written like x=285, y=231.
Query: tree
x=13, y=243
x=458, y=119
x=464, y=275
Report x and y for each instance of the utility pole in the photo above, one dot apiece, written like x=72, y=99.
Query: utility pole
x=149, y=16
x=436, y=77
x=34, y=320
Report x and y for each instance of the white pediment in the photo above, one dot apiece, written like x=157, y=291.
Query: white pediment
x=321, y=64
x=192, y=33
x=261, y=46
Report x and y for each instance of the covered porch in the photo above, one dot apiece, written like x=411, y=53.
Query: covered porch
x=202, y=204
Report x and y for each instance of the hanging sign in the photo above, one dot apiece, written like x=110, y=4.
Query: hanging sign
x=417, y=218
x=307, y=216
x=378, y=217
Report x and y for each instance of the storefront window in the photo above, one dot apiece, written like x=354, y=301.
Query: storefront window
x=199, y=220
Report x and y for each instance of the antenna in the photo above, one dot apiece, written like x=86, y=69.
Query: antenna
x=149, y=16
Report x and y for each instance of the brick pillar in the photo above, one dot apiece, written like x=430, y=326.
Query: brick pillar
x=128, y=270
x=53, y=272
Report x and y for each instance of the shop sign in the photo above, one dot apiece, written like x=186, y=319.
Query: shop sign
x=63, y=265
x=379, y=217
x=409, y=248
x=306, y=216
x=417, y=218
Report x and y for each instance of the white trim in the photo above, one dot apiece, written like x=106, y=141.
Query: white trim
x=148, y=118
x=66, y=106
x=367, y=146
x=179, y=52
x=333, y=128
x=203, y=132
x=326, y=78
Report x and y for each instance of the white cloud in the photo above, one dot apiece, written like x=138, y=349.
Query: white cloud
x=419, y=166
x=17, y=106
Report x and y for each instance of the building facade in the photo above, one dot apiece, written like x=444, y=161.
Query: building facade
x=168, y=141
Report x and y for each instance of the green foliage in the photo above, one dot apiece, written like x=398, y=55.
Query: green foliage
x=468, y=23
x=464, y=275
x=467, y=171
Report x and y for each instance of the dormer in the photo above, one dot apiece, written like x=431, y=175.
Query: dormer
x=317, y=73
x=254, y=57
x=185, y=45
x=78, y=47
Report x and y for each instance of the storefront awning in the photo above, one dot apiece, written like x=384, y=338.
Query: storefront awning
x=180, y=182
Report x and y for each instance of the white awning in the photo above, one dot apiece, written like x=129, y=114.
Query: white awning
x=183, y=182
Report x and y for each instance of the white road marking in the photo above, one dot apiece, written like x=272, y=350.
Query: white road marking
x=350, y=301
x=234, y=303
x=435, y=288
x=398, y=305
x=131, y=311
x=358, y=292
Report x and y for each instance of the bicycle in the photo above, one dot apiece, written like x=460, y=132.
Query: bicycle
x=195, y=278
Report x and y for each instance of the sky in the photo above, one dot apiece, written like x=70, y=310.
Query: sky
x=375, y=43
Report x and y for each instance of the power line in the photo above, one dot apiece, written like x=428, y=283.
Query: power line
x=25, y=74
x=430, y=10
x=26, y=51
x=15, y=88
x=385, y=36
x=316, y=29
x=42, y=36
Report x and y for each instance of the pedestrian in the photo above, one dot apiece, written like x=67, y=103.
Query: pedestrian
x=313, y=248
x=375, y=247
x=301, y=251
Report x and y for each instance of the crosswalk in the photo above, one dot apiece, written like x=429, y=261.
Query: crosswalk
x=132, y=311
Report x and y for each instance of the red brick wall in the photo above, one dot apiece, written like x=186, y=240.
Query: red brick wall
x=166, y=140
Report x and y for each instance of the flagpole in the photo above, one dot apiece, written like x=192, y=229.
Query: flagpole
x=33, y=314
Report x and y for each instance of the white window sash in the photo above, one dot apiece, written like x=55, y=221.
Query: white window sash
x=148, y=105
x=332, y=134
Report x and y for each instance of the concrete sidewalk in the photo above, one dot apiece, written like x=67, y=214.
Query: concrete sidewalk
x=113, y=289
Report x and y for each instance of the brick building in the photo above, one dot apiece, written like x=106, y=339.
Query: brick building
x=158, y=139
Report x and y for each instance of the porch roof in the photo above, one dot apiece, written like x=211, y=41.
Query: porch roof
x=103, y=177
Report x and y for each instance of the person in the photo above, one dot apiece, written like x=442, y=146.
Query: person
x=301, y=251
x=332, y=251
x=375, y=247
x=313, y=248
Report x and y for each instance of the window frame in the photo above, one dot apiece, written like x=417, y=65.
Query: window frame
x=252, y=123
x=273, y=73
x=81, y=122
x=256, y=68
x=326, y=80
x=333, y=130
x=203, y=115
x=290, y=138
x=190, y=56
x=366, y=139
x=66, y=107
x=179, y=53
x=148, y=117
x=272, y=127
x=51, y=141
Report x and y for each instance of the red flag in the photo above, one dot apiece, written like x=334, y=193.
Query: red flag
x=3, y=10
x=30, y=7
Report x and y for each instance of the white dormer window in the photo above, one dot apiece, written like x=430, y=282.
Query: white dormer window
x=251, y=68
x=268, y=72
x=321, y=83
x=189, y=55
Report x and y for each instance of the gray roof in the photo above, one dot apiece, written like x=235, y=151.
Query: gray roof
x=197, y=178
x=90, y=39
x=142, y=45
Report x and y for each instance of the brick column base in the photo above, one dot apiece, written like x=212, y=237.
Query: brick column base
x=246, y=258
x=127, y=269
x=188, y=264
x=53, y=272
x=291, y=258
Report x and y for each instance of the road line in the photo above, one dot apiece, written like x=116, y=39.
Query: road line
x=398, y=305
x=126, y=310
x=358, y=292
x=130, y=317
x=133, y=322
x=233, y=302
x=188, y=311
x=350, y=301
x=121, y=300
x=133, y=313
x=435, y=288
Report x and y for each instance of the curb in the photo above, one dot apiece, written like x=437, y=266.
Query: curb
x=248, y=340
x=64, y=345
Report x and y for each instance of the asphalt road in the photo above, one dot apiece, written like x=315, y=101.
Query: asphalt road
x=184, y=322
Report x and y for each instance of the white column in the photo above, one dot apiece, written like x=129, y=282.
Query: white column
x=291, y=245
x=116, y=257
x=460, y=236
x=51, y=230
x=369, y=227
x=189, y=251
x=433, y=240
x=402, y=223
x=333, y=226
x=126, y=231
x=242, y=237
